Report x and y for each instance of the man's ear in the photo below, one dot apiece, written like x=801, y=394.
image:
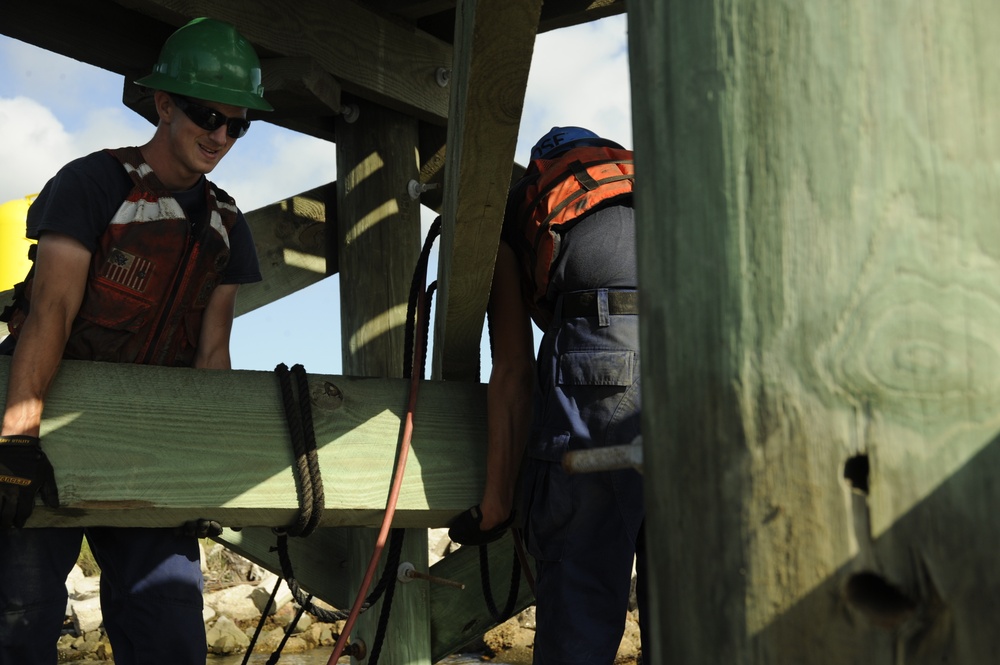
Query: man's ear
x=164, y=105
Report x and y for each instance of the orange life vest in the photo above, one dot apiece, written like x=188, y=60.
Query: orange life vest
x=556, y=193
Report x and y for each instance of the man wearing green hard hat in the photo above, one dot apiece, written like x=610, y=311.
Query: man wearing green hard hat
x=139, y=258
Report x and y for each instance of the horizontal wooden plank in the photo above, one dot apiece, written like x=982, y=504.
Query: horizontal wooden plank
x=153, y=446
x=371, y=56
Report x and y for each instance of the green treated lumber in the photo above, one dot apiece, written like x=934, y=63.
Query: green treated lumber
x=319, y=560
x=372, y=56
x=378, y=242
x=820, y=306
x=291, y=241
x=458, y=617
x=154, y=446
x=494, y=42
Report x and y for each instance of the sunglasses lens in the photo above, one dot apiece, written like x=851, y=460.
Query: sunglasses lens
x=236, y=128
x=210, y=119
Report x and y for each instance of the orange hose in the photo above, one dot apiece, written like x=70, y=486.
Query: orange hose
x=397, y=482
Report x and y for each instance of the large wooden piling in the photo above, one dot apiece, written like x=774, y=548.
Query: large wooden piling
x=818, y=251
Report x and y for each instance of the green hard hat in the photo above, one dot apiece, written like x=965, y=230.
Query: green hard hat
x=208, y=59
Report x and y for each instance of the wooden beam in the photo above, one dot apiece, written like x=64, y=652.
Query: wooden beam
x=493, y=47
x=101, y=33
x=319, y=560
x=459, y=617
x=292, y=246
x=379, y=243
x=566, y=13
x=372, y=57
x=437, y=17
x=154, y=446
x=820, y=296
x=305, y=98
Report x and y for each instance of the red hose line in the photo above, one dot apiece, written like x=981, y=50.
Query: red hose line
x=397, y=482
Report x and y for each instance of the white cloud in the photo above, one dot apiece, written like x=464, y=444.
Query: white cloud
x=579, y=76
x=34, y=140
x=272, y=163
x=33, y=144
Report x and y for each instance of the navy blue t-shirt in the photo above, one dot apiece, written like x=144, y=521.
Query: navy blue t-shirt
x=83, y=197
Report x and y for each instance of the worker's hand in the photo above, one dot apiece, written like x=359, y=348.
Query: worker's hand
x=24, y=472
x=200, y=528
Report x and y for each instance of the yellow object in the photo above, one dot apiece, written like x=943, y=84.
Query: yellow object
x=14, y=263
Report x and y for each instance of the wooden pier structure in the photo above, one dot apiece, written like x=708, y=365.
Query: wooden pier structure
x=818, y=203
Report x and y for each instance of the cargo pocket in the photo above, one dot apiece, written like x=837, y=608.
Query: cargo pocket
x=597, y=368
x=597, y=384
x=107, y=324
x=549, y=503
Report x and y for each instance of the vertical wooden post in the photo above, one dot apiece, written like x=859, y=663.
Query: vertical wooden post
x=379, y=240
x=817, y=201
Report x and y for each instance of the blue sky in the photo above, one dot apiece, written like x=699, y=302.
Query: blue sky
x=54, y=109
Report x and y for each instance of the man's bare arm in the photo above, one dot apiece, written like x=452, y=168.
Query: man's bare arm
x=61, y=268
x=216, y=327
x=509, y=393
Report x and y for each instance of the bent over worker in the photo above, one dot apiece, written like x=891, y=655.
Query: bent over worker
x=139, y=258
x=567, y=260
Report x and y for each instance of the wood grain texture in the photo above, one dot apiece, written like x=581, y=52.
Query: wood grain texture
x=291, y=241
x=379, y=242
x=459, y=617
x=493, y=47
x=379, y=59
x=152, y=446
x=819, y=268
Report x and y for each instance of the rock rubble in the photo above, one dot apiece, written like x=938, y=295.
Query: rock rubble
x=236, y=594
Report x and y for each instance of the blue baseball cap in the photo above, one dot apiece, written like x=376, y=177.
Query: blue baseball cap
x=560, y=139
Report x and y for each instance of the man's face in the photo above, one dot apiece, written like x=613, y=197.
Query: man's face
x=197, y=148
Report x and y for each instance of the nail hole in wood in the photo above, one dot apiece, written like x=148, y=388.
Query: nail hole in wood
x=856, y=472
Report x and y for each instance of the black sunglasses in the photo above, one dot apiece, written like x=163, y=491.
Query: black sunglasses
x=210, y=119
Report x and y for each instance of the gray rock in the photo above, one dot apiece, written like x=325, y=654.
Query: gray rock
x=225, y=637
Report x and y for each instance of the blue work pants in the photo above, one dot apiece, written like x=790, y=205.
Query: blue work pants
x=151, y=593
x=584, y=530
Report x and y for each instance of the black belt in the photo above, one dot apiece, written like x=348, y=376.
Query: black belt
x=584, y=303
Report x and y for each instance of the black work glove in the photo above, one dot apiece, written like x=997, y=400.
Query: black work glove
x=200, y=528
x=24, y=472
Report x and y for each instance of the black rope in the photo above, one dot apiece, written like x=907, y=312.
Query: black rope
x=332, y=616
x=391, y=564
x=260, y=624
x=411, y=307
x=288, y=633
x=309, y=482
x=515, y=585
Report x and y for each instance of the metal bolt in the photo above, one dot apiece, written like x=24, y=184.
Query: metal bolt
x=356, y=650
x=415, y=188
x=351, y=112
x=443, y=76
x=407, y=573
